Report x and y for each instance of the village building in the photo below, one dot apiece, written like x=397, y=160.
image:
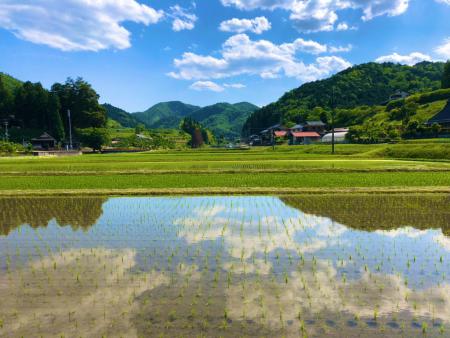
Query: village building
x=315, y=126
x=44, y=142
x=303, y=137
x=442, y=118
x=268, y=135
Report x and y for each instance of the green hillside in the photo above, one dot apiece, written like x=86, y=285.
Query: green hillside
x=10, y=83
x=364, y=85
x=225, y=119
x=173, y=110
x=125, y=119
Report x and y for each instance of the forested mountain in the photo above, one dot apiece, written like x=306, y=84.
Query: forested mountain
x=225, y=119
x=165, y=114
x=125, y=119
x=364, y=85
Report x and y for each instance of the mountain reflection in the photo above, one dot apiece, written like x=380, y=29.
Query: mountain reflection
x=378, y=212
x=78, y=213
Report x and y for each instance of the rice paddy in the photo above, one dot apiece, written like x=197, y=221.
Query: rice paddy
x=215, y=266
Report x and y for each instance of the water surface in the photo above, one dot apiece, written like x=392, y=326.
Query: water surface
x=225, y=266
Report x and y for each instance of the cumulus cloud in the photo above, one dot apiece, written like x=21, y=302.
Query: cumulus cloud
x=182, y=19
x=409, y=60
x=444, y=49
x=321, y=15
x=257, y=25
x=76, y=25
x=241, y=55
x=206, y=85
x=234, y=85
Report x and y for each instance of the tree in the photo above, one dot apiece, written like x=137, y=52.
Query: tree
x=446, y=76
x=94, y=138
x=81, y=99
x=55, y=122
x=6, y=100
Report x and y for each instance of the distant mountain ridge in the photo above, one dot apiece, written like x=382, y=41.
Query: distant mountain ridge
x=223, y=119
x=164, y=114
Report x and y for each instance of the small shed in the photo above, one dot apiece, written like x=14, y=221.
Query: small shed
x=303, y=137
x=442, y=118
x=44, y=142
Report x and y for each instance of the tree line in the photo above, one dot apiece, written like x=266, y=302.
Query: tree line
x=32, y=109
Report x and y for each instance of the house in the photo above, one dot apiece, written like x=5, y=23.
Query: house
x=442, y=118
x=297, y=127
x=303, y=137
x=268, y=135
x=44, y=142
x=315, y=126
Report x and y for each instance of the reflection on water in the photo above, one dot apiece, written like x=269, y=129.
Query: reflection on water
x=38, y=212
x=225, y=266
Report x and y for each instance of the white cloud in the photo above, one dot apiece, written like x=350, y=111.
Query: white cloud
x=321, y=15
x=241, y=55
x=409, y=60
x=206, y=85
x=234, y=85
x=76, y=25
x=444, y=49
x=340, y=49
x=182, y=19
x=447, y=2
x=343, y=26
x=257, y=25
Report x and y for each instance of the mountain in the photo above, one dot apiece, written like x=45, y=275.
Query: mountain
x=165, y=114
x=363, y=85
x=225, y=119
x=10, y=83
x=126, y=119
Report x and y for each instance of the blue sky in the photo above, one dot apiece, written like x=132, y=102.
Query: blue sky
x=140, y=52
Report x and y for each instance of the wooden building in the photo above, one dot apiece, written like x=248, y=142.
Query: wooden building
x=303, y=137
x=44, y=142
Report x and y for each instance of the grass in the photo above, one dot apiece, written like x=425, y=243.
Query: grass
x=354, y=166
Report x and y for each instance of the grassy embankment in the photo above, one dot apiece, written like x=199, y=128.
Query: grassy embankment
x=403, y=167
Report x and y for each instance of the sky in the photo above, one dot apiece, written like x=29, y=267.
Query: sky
x=136, y=53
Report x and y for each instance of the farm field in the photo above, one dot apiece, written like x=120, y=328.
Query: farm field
x=231, y=171
x=299, y=265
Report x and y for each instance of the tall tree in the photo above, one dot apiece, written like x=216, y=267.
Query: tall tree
x=81, y=99
x=56, y=126
x=446, y=76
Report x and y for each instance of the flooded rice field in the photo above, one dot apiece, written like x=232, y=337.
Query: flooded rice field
x=308, y=266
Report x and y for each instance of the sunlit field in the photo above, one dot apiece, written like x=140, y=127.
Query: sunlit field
x=309, y=266
x=354, y=166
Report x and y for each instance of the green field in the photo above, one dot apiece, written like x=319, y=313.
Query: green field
x=289, y=169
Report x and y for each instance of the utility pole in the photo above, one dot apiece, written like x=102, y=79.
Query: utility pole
x=70, y=129
x=5, y=123
x=332, y=121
